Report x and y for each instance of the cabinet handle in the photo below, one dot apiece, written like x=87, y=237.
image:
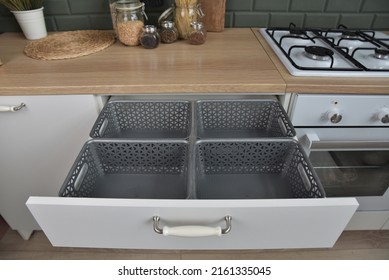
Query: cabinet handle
x=12, y=108
x=192, y=231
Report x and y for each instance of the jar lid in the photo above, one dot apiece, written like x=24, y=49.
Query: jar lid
x=167, y=24
x=150, y=28
x=129, y=4
x=197, y=25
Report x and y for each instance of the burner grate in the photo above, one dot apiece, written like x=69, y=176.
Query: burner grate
x=329, y=49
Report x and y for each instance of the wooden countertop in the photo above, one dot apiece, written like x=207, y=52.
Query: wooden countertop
x=323, y=84
x=230, y=62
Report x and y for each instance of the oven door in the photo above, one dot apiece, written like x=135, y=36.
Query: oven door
x=351, y=162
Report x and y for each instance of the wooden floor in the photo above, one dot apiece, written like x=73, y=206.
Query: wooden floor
x=362, y=245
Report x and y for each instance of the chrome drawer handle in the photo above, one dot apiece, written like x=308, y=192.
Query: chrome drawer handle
x=12, y=108
x=192, y=231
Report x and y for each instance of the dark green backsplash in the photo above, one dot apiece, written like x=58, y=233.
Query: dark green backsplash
x=62, y=15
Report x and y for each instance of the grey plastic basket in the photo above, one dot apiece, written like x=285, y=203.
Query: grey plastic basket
x=265, y=169
x=242, y=119
x=129, y=169
x=144, y=120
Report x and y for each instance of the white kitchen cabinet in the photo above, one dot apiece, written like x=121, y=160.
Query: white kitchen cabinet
x=386, y=225
x=117, y=187
x=368, y=220
x=38, y=144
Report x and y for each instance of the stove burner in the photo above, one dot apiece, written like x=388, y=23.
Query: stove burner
x=348, y=34
x=318, y=53
x=295, y=31
x=381, y=53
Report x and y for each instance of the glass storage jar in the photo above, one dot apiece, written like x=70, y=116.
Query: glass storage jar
x=112, y=9
x=130, y=21
x=150, y=38
x=198, y=34
x=168, y=32
x=186, y=11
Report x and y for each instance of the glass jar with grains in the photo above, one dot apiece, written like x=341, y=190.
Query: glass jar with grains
x=168, y=32
x=130, y=21
x=150, y=38
x=198, y=34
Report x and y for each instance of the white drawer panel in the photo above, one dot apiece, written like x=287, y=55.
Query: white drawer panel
x=256, y=224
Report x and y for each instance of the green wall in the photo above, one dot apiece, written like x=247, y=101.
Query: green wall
x=62, y=15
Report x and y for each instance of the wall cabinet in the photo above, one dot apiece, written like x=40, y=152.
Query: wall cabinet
x=38, y=144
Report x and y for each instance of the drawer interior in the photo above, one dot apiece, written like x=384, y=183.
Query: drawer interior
x=258, y=169
x=128, y=169
x=242, y=119
x=212, y=151
x=144, y=120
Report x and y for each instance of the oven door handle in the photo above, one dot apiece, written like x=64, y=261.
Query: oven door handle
x=311, y=141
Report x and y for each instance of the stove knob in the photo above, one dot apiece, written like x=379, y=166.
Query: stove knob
x=383, y=115
x=334, y=116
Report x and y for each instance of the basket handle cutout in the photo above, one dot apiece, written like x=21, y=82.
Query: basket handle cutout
x=81, y=176
x=304, y=177
x=192, y=231
x=282, y=126
x=103, y=127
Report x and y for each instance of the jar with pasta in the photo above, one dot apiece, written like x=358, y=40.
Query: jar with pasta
x=186, y=12
x=130, y=21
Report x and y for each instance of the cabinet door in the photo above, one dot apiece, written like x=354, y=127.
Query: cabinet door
x=38, y=144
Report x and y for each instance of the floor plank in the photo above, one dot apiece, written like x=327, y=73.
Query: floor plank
x=360, y=245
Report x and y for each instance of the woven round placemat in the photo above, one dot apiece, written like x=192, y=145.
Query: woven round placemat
x=70, y=44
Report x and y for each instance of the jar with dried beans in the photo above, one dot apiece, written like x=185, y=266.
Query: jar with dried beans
x=150, y=38
x=198, y=34
x=168, y=32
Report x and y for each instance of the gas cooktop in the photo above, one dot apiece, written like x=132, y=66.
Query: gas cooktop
x=337, y=52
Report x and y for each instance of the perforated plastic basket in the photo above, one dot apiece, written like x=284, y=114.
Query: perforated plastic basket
x=242, y=119
x=129, y=169
x=143, y=120
x=254, y=169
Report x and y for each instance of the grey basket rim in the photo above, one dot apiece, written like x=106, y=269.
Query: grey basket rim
x=113, y=140
x=110, y=102
x=269, y=140
x=292, y=130
x=256, y=100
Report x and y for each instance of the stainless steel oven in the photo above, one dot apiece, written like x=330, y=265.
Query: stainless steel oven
x=347, y=140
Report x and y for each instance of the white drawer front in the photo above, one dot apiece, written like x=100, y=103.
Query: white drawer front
x=256, y=224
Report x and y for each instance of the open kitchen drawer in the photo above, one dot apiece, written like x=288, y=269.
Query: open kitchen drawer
x=193, y=193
